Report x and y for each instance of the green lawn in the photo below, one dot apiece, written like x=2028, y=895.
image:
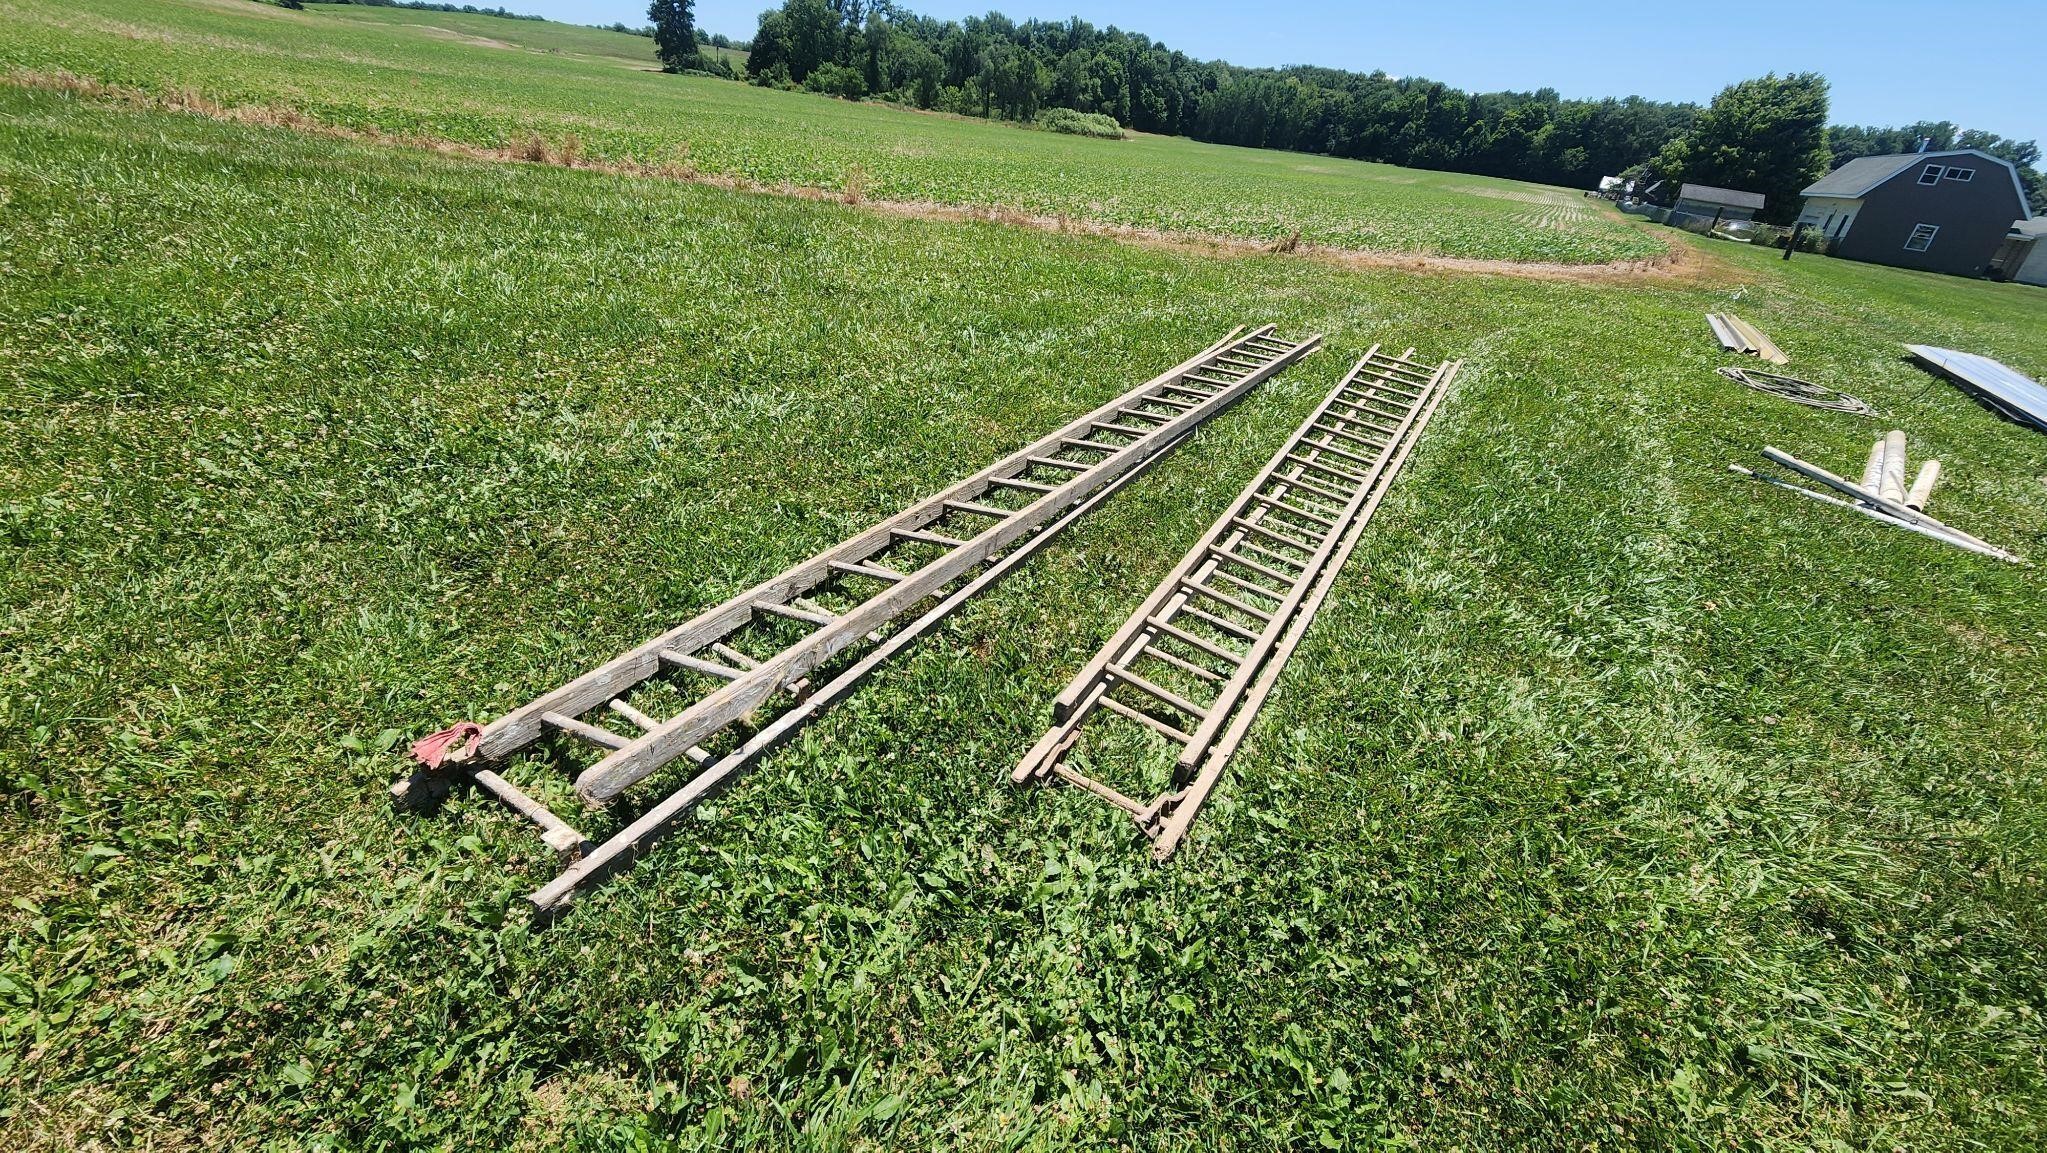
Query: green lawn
x=1612, y=802
x=408, y=74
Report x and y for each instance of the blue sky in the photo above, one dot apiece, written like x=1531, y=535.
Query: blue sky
x=1891, y=62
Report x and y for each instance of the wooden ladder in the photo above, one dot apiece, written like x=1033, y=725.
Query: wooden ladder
x=764, y=651
x=1224, y=621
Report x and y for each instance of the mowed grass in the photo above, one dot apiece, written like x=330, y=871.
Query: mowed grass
x=1612, y=802
x=412, y=75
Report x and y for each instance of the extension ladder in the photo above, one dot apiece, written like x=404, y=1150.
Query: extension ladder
x=1224, y=621
x=772, y=644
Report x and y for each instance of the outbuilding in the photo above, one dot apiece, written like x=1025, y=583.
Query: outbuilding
x=2023, y=257
x=1717, y=203
x=1938, y=211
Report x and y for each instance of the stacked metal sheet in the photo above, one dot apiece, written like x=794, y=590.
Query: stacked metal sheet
x=2005, y=389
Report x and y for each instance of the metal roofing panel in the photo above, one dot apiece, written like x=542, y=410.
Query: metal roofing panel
x=1860, y=175
x=2003, y=388
x=1732, y=198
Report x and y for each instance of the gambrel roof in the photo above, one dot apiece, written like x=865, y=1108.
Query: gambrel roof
x=1860, y=176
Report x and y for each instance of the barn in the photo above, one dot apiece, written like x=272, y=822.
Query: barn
x=1937, y=211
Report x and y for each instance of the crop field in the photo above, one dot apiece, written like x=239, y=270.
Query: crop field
x=406, y=74
x=1612, y=801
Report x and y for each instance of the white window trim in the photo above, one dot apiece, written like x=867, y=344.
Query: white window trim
x=1931, y=170
x=1911, y=242
x=1959, y=175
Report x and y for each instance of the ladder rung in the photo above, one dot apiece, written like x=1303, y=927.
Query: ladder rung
x=1217, y=572
x=734, y=655
x=1125, y=429
x=1388, y=384
x=646, y=723
x=1228, y=626
x=1304, y=514
x=1261, y=550
x=1376, y=446
x=1200, y=642
x=1026, y=485
x=1241, y=363
x=698, y=665
x=1216, y=383
x=1081, y=780
x=923, y=536
x=1261, y=530
x=978, y=509
x=1164, y=695
x=1223, y=598
x=1181, y=405
x=1097, y=445
x=1334, y=451
x=1305, y=485
x=1318, y=466
x=1146, y=719
x=1222, y=554
x=866, y=569
x=1179, y=662
x=794, y=613
x=603, y=738
x=1204, y=394
x=1055, y=462
x=1387, y=429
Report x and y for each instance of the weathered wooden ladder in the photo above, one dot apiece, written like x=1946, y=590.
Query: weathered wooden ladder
x=1224, y=621
x=763, y=647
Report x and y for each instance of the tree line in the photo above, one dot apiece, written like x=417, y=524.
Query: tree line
x=995, y=67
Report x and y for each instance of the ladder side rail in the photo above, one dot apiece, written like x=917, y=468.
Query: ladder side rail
x=646, y=755
x=1231, y=693
x=623, y=845
x=522, y=726
x=1064, y=703
x=1186, y=805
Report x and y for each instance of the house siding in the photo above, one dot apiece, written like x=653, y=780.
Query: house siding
x=1973, y=218
x=2033, y=270
x=1832, y=215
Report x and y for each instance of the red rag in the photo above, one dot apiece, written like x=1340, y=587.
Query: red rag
x=431, y=750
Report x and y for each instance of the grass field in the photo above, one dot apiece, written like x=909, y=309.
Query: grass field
x=1613, y=801
x=392, y=72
